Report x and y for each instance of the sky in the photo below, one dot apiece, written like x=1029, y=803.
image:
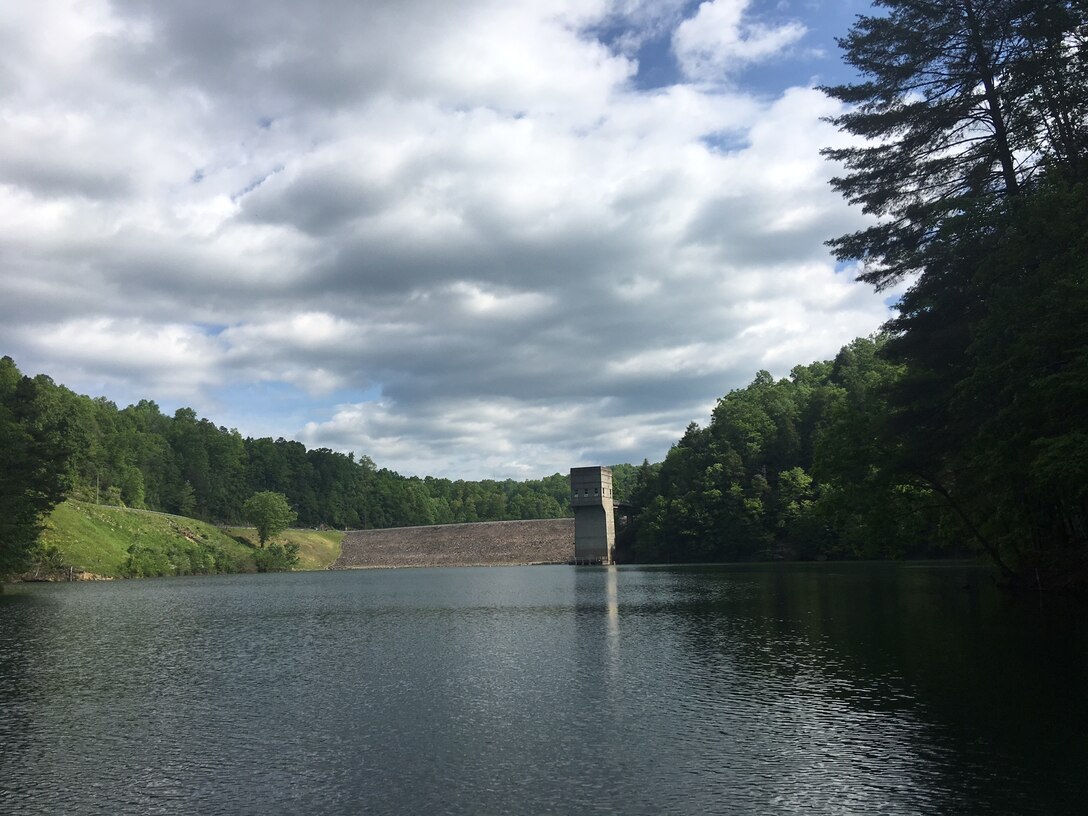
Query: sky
x=482, y=239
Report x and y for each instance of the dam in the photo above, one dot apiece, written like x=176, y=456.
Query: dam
x=588, y=538
x=490, y=543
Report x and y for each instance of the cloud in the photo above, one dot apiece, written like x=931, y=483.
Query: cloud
x=504, y=436
x=170, y=360
x=719, y=39
x=466, y=214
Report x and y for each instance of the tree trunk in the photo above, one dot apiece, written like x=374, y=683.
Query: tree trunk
x=985, y=71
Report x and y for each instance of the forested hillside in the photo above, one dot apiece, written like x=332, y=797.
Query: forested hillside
x=60, y=444
x=788, y=469
x=966, y=422
x=139, y=457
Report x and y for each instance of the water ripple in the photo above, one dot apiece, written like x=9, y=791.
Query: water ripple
x=536, y=690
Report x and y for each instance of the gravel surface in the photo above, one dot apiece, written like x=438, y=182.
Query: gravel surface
x=543, y=541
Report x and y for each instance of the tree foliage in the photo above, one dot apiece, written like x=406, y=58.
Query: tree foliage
x=974, y=116
x=269, y=512
x=989, y=412
x=786, y=469
x=37, y=442
x=963, y=103
x=277, y=557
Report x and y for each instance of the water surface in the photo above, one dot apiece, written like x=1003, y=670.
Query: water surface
x=905, y=689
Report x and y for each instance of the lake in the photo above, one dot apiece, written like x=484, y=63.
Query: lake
x=826, y=689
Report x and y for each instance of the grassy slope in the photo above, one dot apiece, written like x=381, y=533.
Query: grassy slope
x=316, y=549
x=95, y=538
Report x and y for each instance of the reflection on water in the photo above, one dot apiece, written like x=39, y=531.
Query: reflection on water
x=765, y=689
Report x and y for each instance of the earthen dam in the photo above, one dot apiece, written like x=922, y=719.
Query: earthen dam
x=493, y=543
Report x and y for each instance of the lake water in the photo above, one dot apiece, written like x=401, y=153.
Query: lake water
x=823, y=689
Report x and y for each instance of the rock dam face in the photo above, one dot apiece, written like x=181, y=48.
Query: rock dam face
x=543, y=541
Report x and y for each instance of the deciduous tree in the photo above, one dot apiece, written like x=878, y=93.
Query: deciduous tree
x=269, y=512
x=35, y=465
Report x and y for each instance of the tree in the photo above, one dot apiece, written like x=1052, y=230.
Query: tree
x=872, y=509
x=277, y=558
x=963, y=102
x=792, y=468
x=975, y=120
x=1023, y=453
x=35, y=468
x=269, y=512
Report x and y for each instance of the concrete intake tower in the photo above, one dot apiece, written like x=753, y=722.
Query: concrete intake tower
x=594, y=520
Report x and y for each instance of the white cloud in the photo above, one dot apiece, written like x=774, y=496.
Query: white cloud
x=503, y=436
x=466, y=208
x=170, y=359
x=719, y=39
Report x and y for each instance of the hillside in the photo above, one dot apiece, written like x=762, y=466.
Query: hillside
x=317, y=549
x=113, y=542
x=102, y=541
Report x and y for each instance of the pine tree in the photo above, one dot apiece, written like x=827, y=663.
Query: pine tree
x=972, y=114
x=963, y=102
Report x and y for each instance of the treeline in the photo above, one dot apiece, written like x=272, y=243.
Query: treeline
x=968, y=421
x=139, y=457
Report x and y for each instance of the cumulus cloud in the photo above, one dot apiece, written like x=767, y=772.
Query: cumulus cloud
x=169, y=360
x=720, y=39
x=466, y=217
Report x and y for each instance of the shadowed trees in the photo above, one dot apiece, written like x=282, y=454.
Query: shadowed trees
x=37, y=441
x=974, y=116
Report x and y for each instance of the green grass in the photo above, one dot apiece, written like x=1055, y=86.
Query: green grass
x=96, y=538
x=316, y=548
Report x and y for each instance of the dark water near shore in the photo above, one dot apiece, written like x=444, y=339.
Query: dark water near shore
x=824, y=689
